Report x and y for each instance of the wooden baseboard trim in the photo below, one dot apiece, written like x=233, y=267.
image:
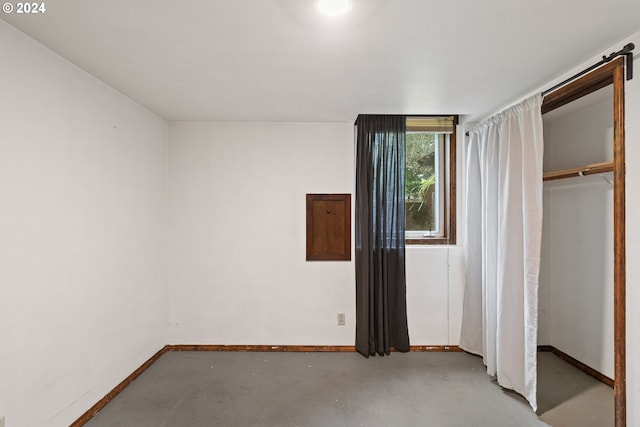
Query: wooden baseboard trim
x=263, y=348
x=436, y=348
x=117, y=389
x=300, y=348
x=578, y=364
x=239, y=348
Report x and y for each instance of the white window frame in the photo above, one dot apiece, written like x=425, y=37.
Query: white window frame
x=442, y=142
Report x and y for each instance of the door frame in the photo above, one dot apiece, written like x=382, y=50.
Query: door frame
x=611, y=73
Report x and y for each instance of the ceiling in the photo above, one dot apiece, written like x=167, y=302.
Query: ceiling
x=277, y=60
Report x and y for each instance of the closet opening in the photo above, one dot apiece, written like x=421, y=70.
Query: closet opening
x=610, y=78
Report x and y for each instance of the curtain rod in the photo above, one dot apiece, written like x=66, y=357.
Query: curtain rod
x=626, y=51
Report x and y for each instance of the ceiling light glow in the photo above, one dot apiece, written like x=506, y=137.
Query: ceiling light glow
x=333, y=7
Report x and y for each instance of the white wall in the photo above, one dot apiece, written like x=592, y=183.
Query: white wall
x=435, y=287
x=237, y=233
x=576, y=277
x=237, y=240
x=82, y=215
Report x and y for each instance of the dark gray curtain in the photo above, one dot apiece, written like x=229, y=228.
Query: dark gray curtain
x=381, y=306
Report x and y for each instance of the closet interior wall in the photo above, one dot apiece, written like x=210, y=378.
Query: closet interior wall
x=576, y=309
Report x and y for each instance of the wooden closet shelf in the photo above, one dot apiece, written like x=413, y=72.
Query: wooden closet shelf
x=582, y=170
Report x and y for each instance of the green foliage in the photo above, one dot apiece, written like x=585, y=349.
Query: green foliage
x=420, y=165
x=420, y=180
x=425, y=185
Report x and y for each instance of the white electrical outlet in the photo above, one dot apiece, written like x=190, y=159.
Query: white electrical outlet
x=341, y=322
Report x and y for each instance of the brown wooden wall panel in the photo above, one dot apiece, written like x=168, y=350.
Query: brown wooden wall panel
x=328, y=227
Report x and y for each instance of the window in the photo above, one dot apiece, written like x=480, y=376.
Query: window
x=430, y=180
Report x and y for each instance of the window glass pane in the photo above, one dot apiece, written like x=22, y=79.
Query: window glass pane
x=421, y=184
x=430, y=180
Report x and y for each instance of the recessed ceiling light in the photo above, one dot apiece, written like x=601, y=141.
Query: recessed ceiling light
x=333, y=7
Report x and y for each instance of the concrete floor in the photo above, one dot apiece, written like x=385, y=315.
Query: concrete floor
x=339, y=389
x=567, y=397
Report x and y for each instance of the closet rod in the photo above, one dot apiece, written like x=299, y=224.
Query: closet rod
x=593, y=169
x=626, y=51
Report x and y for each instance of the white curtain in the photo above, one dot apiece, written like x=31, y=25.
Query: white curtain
x=504, y=228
